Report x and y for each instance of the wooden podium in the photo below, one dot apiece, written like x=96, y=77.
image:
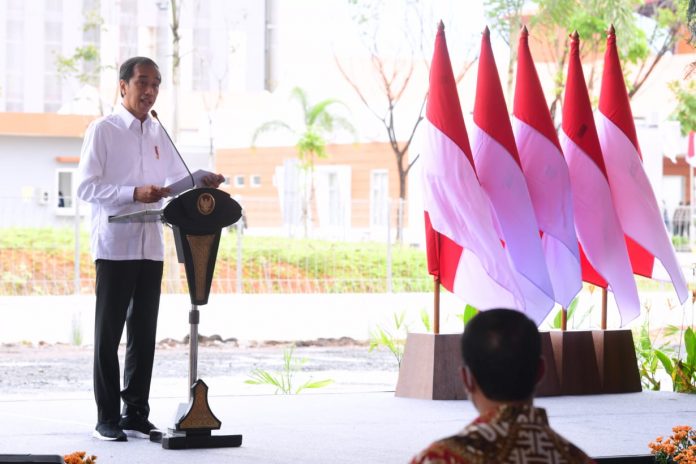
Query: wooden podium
x=197, y=218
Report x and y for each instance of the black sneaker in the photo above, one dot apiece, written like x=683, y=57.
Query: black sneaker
x=136, y=426
x=110, y=432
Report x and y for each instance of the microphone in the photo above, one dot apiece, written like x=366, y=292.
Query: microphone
x=154, y=115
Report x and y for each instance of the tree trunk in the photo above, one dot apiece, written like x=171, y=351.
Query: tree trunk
x=176, y=68
x=402, y=199
x=174, y=272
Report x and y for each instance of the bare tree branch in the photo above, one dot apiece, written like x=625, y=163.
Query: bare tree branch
x=357, y=89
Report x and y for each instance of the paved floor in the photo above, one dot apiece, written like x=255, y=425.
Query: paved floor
x=338, y=428
x=360, y=424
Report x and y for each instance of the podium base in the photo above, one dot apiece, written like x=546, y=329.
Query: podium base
x=194, y=425
x=188, y=440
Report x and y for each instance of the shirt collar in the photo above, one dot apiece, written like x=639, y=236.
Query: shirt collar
x=525, y=412
x=127, y=117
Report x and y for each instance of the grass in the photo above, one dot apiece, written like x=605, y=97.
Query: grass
x=41, y=261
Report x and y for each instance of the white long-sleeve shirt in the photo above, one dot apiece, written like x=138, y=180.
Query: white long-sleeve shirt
x=118, y=154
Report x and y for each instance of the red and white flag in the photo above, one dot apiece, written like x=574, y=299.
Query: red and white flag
x=690, y=152
x=547, y=177
x=604, y=258
x=463, y=248
x=636, y=205
x=500, y=173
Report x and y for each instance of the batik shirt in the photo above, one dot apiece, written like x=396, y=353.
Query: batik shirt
x=512, y=434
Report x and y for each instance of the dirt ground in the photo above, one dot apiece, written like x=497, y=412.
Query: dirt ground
x=225, y=365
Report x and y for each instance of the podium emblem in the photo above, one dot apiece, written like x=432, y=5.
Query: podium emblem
x=205, y=204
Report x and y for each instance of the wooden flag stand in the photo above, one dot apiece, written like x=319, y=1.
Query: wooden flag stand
x=616, y=357
x=431, y=365
x=591, y=362
x=578, y=362
x=550, y=384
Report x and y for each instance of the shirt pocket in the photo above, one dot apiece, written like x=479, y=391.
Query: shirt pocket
x=153, y=161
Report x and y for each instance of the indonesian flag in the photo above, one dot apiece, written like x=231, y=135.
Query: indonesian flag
x=500, y=173
x=547, y=177
x=690, y=152
x=636, y=205
x=463, y=248
x=604, y=258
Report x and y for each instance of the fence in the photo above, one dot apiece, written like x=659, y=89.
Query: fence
x=44, y=250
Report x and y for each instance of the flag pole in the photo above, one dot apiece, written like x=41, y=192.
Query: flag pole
x=564, y=319
x=436, y=304
x=603, y=325
x=689, y=222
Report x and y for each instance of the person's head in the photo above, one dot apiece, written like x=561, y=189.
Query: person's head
x=139, y=80
x=501, y=348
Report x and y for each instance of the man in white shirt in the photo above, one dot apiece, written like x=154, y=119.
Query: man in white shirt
x=125, y=163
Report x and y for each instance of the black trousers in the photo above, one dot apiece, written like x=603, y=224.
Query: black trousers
x=128, y=293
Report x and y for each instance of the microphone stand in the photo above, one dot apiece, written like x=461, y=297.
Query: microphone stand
x=154, y=115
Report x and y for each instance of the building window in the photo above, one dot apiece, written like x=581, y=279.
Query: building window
x=202, y=50
x=14, y=32
x=379, y=198
x=255, y=180
x=163, y=41
x=239, y=181
x=66, y=191
x=334, y=197
x=91, y=36
x=53, y=44
x=128, y=30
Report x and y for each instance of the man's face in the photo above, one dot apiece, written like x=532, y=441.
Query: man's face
x=140, y=92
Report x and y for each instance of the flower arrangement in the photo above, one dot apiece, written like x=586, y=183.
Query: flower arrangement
x=79, y=457
x=679, y=448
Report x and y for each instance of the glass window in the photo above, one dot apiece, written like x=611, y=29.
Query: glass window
x=202, y=50
x=379, y=198
x=53, y=43
x=163, y=41
x=65, y=191
x=14, y=31
x=334, y=200
x=91, y=35
x=128, y=30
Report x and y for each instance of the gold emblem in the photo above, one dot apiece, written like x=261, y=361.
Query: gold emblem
x=206, y=204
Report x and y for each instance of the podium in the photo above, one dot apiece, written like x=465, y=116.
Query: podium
x=197, y=218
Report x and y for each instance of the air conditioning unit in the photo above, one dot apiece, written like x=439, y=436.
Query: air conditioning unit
x=44, y=196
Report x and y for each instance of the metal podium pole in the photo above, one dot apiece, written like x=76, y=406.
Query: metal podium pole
x=194, y=318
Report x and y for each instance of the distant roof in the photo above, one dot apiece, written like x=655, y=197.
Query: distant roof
x=44, y=124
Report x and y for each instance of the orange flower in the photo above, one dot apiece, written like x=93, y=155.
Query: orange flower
x=680, y=447
x=78, y=457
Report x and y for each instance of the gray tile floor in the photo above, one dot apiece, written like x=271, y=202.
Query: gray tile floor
x=332, y=427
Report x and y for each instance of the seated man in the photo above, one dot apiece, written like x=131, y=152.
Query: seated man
x=501, y=351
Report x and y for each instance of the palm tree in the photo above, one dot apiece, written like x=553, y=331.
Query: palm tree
x=318, y=124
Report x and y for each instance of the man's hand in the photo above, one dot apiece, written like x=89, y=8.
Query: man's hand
x=150, y=193
x=213, y=180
